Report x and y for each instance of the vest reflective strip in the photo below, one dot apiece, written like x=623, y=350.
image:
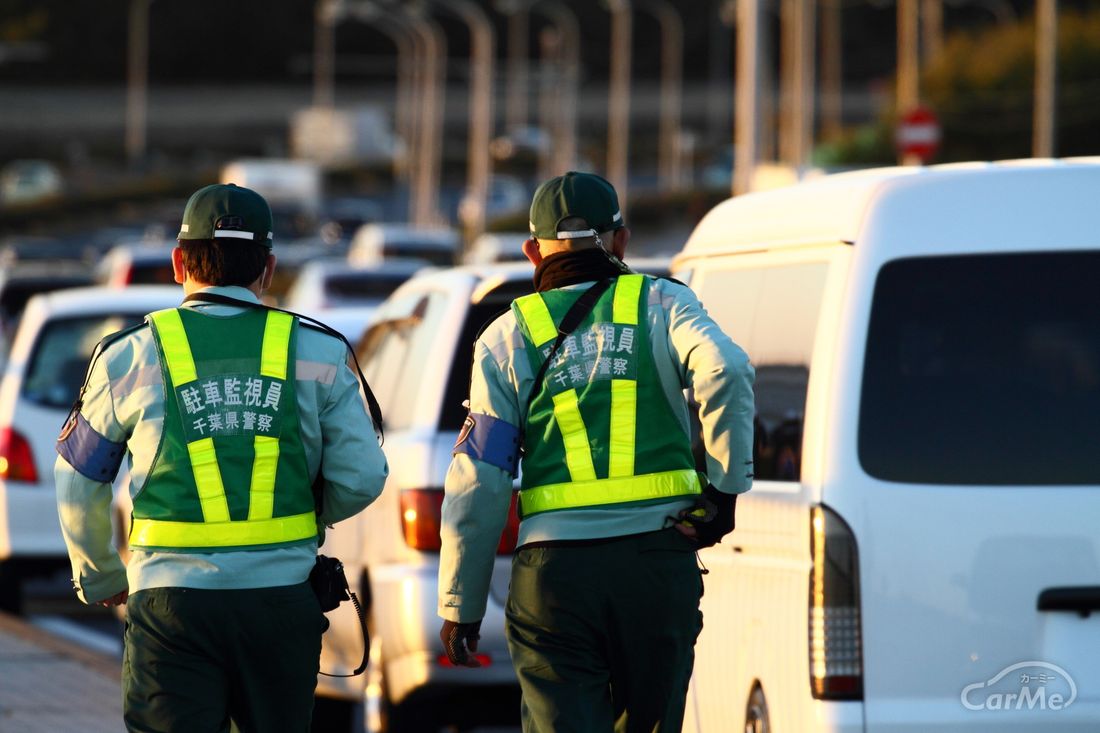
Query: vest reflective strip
x=578, y=452
x=177, y=352
x=628, y=289
x=273, y=363
x=261, y=493
x=601, y=492
x=624, y=392
x=276, y=344
x=623, y=428
x=208, y=480
x=162, y=533
x=538, y=319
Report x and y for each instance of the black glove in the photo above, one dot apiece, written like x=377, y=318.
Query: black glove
x=712, y=516
x=459, y=641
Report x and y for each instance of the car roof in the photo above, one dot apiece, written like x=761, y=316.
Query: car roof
x=486, y=277
x=390, y=265
x=77, y=301
x=837, y=208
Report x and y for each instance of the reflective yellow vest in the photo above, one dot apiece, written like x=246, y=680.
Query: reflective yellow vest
x=231, y=471
x=600, y=431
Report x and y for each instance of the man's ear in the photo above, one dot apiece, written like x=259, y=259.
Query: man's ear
x=531, y=251
x=268, y=274
x=179, y=272
x=619, y=241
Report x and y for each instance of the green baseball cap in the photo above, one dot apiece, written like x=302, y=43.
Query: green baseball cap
x=583, y=195
x=227, y=211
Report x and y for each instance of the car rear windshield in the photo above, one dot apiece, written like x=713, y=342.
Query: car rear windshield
x=984, y=370
x=60, y=357
x=353, y=287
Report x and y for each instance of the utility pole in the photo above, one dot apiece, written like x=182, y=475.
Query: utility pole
x=932, y=20
x=618, y=118
x=908, y=79
x=1046, y=78
x=137, y=81
x=797, y=95
x=746, y=113
x=832, y=110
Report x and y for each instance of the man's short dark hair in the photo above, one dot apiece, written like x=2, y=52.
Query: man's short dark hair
x=232, y=262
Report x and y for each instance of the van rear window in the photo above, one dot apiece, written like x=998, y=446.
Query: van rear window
x=984, y=370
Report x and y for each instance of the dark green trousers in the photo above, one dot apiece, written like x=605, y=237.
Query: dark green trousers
x=603, y=636
x=194, y=659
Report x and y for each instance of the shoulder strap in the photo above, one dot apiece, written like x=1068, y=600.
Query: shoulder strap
x=581, y=307
x=372, y=401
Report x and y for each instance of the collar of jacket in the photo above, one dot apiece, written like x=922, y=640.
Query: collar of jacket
x=570, y=268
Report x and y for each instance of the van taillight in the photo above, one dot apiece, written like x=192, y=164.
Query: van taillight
x=836, y=652
x=421, y=517
x=16, y=460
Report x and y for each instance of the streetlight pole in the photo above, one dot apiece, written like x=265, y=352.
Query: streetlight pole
x=672, y=53
x=1046, y=78
x=618, y=118
x=478, y=162
x=137, y=86
x=746, y=115
x=515, y=110
x=565, y=124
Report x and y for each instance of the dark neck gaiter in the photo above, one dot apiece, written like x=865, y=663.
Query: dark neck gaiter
x=570, y=268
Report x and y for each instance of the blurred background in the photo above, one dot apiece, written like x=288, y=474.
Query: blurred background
x=448, y=113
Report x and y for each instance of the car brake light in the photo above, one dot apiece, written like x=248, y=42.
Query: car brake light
x=16, y=459
x=421, y=517
x=836, y=653
x=443, y=661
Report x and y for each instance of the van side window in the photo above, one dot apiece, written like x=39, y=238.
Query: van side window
x=772, y=313
x=984, y=370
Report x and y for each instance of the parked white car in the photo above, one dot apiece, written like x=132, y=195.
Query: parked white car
x=44, y=372
x=374, y=242
x=332, y=283
x=920, y=548
x=417, y=358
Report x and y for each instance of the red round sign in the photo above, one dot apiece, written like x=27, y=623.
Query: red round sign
x=918, y=134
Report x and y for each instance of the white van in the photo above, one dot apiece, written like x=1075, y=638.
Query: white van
x=921, y=547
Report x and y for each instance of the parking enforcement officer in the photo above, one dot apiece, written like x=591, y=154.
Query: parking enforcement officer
x=603, y=607
x=228, y=414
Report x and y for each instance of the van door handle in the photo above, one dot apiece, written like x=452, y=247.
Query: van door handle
x=1081, y=599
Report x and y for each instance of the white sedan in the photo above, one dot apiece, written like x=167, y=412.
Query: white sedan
x=44, y=373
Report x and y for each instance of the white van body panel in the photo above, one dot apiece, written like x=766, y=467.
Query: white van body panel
x=949, y=574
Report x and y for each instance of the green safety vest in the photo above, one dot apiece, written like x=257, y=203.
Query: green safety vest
x=230, y=472
x=600, y=431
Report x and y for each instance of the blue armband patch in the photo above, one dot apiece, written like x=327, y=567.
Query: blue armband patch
x=490, y=440
x=88, y=452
